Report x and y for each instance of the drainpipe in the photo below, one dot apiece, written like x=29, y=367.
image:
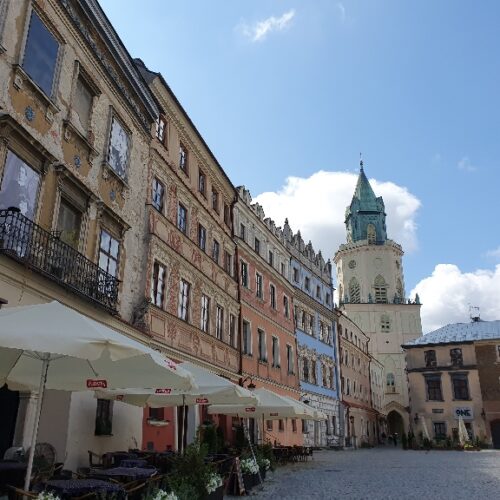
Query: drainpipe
x=238, y=296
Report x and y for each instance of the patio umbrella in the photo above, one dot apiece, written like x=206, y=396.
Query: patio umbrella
x=52, y=346
x=463, y=435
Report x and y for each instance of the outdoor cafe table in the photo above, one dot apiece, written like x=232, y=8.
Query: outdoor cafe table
x=69, y=488
x=125, y=473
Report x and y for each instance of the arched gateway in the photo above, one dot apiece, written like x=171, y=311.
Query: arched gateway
x=395, y=423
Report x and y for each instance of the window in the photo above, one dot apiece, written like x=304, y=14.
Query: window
x=294, y=425
x=286, y=306
x=354, y=291
x=257, y=245
x=183, y=158
x=430, y=358
x=439, y=430
x=219, y=322
x=104, y=417
x=276, y=352
x=247, y=338
x=68, y=223
x=271, y=258
x=380, y=290
x=262, y=345
x=243, y=232
x=244, y=274
x=281, y=425
x=183, y=310
x=161, y=129
x=108, y=253
x=460, y=386
x=307, y=283
x=313, y=372
x=321, y=330
x=328, y=298
x=348, y=388
x=456, y=357
x=305, y=369
x=20, y=185
x=385, y=323
x=289, y=358
x=272, y=294
x=182, y=218
x=390, y=382
x=258, y=285
x=40, y=54
x=205, y=314
x=157, y=414
x=433, y=383
x=399, y=289
x=118, y=151
x=215, y=251
x=228, y=263
x=157, y=194
x=158, y=284
x=295, y=275
x=202, y=183
x=269, y=425
x=215, y=200
x=310, y=328
x=83, y=100
x=371, y=234
x=282, y=266
x=202, y=237
x=227, y=215
x=232, y=330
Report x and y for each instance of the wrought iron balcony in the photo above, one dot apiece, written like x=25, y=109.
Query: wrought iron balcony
x=33, y=246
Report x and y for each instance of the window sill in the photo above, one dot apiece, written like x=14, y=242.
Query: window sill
x=71, y=128
x=263, y=362
x=276, y=367
x=248, y=355
x=108, y=169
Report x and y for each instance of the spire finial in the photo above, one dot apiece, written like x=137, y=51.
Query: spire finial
x=361, y=162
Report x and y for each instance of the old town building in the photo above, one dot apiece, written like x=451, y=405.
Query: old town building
x=453, y=372
x=75, y=125
x=377, y=386
x=315, y=321
x=372, y=294
x=268, y=342
x=359, y=418
x=190, y=301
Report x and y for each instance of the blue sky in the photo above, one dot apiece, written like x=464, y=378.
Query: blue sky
x=415, y=86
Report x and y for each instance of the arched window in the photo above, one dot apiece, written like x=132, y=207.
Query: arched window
x=390, y=380
x=399, y=289
x=354, y=295
x=305, y=369
x=371, y=234
x=385, y=323
x=380, y=290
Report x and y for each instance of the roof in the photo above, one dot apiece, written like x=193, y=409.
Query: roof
x=364, y=192
x=459, y=333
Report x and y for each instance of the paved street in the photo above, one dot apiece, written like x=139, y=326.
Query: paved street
x=386, y=473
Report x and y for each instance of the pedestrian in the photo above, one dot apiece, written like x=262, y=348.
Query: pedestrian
x=395, y=438
x=383, y=437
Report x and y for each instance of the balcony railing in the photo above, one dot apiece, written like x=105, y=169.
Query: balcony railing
x=33, y=246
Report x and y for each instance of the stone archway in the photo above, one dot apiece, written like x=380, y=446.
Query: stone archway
x=395, y=423
x=495, y=433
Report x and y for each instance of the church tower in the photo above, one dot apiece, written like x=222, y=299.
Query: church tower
x=372, y=294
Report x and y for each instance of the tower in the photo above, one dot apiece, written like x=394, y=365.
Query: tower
x=372, y=294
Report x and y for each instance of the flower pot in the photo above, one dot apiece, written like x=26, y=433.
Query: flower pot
x=263, y=473
x=218, y=494
x=250, y=480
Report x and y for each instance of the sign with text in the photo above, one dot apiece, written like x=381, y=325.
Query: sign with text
x=201, y=401
x=250, y=409
x=465, y=412
x=163, y=391
x=96, y=384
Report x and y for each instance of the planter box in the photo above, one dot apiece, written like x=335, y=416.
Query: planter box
x=218, y=494
x=263, y=473
x=250, y=480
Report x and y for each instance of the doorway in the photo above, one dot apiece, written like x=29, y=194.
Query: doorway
x=495, y=433
x=395, y=423
x=9, y=403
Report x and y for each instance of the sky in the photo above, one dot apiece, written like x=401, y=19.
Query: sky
x=288, y=93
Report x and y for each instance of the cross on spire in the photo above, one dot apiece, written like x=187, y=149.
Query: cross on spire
x=361, y=162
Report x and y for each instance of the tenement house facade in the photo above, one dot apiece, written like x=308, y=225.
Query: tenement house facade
x=75, y=126
x=315, y=321
x=372, y=294
x=359, y=418
x=268, y=343
x=453, y=373
x=190, y=304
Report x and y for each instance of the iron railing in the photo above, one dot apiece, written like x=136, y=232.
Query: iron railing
x=33, y=246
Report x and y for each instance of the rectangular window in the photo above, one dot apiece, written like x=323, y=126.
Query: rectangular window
x=84, y=97
x=271, y=258
x=290, y=360
x=215, y=251
x=430, y=358
x=232, y=330
x=219, y=322
x=257, y=245
x=205, y=313
x=183, y=158
x=283, y=269
x=158, y=284
x=40, y=54
x=269, y=425
x=161, y=129
x=157, y=414
x=258, y=286
x=307, y=283
x=456, y=357
x=246, y=338
x=286, y=306
x=68, y=223
x=272, y=294
x=294, y=425
x=262, y=345
x=20, y=185
x=182, y=218
x=318, y=292
x=104, y=418
x=108, y=253
x=228, y=263
x=328, y=298
x=244, y=274
x=158, y=191
x=276, y=352
x=243, y=232
x=119, y=146
x=227, y=215
x=281, y=425
x=215, y=200
x=460, y=386
x=183, y=309
x=433, y=383
x=202, y=183
x=202, y=237
x=295, y=275
x=439, y=430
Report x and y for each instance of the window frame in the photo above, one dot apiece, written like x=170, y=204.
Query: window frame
x=259, y=286
x=202, y=237
x=460, y=377
x=157, y=285
x=159, y=131
x=273, y=296
x=182, y=222
x=219, y=322
x=245, y=282
x=202, y=183
x=262, y=345
x=246, y=338
x=434, y=393
x=115, y=117
x=184, y=300
x=205, y=313
x=215, y=251
x=161, y=206
x=183, y=158
x=104, y=229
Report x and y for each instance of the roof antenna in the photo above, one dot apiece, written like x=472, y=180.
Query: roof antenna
x=474, y=314
x=361, y=162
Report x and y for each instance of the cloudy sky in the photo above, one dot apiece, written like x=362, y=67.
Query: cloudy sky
x=288, y=93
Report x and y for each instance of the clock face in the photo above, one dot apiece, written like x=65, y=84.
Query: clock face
x=352, y=264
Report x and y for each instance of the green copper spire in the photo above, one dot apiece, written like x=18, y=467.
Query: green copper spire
x=365, y=217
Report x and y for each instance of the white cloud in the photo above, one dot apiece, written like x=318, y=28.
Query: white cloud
x=259, y=31
x=466, y=165
x=316, y=205
x=447, y=294
x=494, y=253
x=341, y=10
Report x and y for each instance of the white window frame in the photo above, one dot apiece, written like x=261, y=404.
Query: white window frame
x=219, y=322
x=183, y=308
x=205, y=314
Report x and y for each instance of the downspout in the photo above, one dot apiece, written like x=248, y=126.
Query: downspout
x=238, y=296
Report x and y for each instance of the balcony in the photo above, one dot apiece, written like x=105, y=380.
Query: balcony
x=42, y=251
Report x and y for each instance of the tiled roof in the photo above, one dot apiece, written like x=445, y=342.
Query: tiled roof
x=460, y=332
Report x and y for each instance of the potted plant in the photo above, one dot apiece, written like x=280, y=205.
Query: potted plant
x=215, y=487
x=250, y=470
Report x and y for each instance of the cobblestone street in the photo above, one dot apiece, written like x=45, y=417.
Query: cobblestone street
x=386, y=473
